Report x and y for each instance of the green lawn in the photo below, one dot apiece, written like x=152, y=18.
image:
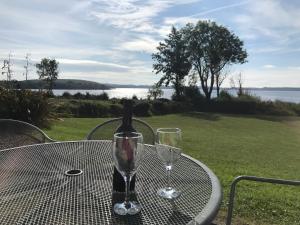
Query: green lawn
x=232, y=146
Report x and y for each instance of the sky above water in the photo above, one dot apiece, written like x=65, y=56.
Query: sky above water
x=111, y=41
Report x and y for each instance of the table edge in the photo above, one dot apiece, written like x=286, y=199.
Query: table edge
x=210, y=211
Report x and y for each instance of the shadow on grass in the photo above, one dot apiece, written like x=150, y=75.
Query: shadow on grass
x=216, y=116
x=202, y=115
x=267, y=117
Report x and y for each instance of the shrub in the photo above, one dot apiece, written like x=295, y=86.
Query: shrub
x=192, y=93
x=142, y=109
x=224, y=95
x=116, y=110
x=89, y=109
x=25, y=105
x=66, y=95
x=78, y=95
x=231, y=106
x=160, y=107
x=87, y=95
x=246, y=96
x=103, y=96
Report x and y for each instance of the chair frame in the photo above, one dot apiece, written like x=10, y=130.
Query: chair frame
x=255, y=179
x=117, y=119
x=45, y=136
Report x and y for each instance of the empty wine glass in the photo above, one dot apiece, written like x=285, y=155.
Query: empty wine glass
x=127, y=155
x=168, y=146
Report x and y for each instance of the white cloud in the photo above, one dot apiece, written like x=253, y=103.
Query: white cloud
x=113, y=77
x=134, y=15
x=269, y=18
x=143, y=44
x=90, y=62
x=294, y=68
x=221, y=8
x=181, y=21
x=269, y=66
x=128, y=14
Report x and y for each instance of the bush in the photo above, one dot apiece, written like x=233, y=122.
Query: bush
x=161, y=107
x=78, y=95
x=89, y=109
x=192, y=93
x=116, y=110
x=25, y=105
x=231, y=106
x=142, y=109
x=87, y=96
x=224, y=95
x=103, y=96
x=66, y=95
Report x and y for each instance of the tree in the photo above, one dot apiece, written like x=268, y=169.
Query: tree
x=240, y=82
x=211, y=48
x=26, y=67
x=220, y=77
x=7, y=70
x=154, y=92
x=47, y=70
x=172, y=60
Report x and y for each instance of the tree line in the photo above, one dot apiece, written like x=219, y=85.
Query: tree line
x=201, y=52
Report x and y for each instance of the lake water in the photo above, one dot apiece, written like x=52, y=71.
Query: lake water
x=287, y=96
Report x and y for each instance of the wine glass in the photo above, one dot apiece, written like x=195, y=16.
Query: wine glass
x=127, y=155
x=168, y=147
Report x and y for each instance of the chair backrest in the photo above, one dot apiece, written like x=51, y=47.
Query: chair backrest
x=15, y=133
x=106, y=130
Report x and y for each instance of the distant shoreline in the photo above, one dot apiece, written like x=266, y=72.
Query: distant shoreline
x=76, y=84
x=144, y=87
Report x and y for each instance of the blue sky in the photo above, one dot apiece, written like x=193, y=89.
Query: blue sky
x=111, y=41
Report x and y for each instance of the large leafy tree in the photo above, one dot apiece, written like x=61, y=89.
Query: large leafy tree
x=171, y=60
x=211, y=49
x=47, y=70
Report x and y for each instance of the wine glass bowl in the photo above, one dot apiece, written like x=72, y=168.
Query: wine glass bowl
x=168, y=147
x=127, y=156
x=168, y=154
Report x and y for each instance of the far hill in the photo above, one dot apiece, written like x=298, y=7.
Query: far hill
x=65, y=84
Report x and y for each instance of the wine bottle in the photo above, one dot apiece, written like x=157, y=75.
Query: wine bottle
x=126, y=126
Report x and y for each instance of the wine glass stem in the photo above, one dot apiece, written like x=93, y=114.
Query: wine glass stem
x=169, y=168
x=127, y=180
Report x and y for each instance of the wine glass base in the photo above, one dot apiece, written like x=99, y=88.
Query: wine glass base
x=169, y=193
x=131, y=208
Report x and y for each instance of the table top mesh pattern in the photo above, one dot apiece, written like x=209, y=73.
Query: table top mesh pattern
x=35, y=190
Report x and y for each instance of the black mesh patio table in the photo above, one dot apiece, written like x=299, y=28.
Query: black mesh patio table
x=34, y=187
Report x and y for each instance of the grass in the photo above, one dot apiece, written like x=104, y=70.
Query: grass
x=232, y=146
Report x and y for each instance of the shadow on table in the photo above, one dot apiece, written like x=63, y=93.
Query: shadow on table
x=179, y=218
x=176, y=217
x=119, y=220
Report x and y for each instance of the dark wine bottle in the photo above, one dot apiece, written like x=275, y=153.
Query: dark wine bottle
x=126, y=126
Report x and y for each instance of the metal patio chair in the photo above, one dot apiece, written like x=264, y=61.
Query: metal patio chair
x=106, y=130
x=255, y=179
x=15, y=133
